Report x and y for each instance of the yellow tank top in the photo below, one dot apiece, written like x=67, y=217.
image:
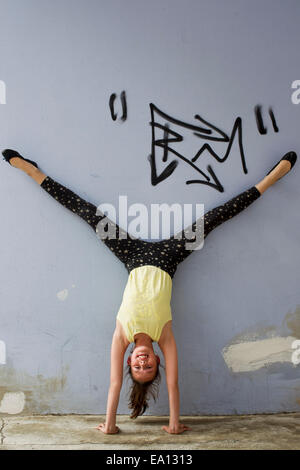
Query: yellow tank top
x=145, y=306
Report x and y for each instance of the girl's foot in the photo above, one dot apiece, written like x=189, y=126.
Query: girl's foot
x=277, y=172
x=28, y=166
x=15, y=159
x=290, y=157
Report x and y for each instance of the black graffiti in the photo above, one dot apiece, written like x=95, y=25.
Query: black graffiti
x=112, y=106
x=271, y=114
x=209, y=132
x=259, y=121
x=262, y=129
x=124, y=106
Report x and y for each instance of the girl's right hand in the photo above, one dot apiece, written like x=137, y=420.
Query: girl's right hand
x=177, y=429
x=108, y=429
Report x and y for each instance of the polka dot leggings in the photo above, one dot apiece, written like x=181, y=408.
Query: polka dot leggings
x=134, y=252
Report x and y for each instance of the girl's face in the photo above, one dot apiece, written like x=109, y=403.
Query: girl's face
x=143, y=362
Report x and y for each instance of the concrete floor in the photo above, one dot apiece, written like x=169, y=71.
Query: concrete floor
x=280, y=431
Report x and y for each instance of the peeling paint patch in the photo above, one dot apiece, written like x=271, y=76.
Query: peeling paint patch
x=255, y=333
x=12, y=403
x=252, y=355
x=62, y=295
x=40, y=392
x=2, y=352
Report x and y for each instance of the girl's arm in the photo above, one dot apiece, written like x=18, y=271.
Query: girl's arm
x=118, y=349
x=169, y=349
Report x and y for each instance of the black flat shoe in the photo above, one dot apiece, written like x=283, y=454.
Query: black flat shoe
x=290, y=157
x=8, y=154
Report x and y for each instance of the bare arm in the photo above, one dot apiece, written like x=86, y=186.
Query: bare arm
x=169, y=349
x=118, y=349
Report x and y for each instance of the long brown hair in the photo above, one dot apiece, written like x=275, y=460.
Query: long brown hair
x=141, y=392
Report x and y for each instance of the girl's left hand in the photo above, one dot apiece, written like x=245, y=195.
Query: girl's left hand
x=177, y=429
x=108, y=430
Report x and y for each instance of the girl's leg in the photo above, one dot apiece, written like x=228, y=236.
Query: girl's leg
x=117, y=239
x=28, y=168
x=224, y=212
x=237, y=204
x=114, y=237
x=186, y=242
x=281, y=169
x=71, y=201
x=167, y=254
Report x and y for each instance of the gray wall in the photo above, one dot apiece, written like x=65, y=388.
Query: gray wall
x=236, y=302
